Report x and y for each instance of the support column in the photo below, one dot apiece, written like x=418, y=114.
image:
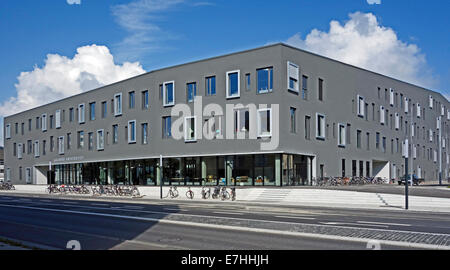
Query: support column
x=308, y=170
x=277, y=170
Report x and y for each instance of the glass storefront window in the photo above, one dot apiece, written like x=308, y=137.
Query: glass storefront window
x=242, y=171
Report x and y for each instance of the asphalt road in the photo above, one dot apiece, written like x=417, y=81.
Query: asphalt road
x=105, y=224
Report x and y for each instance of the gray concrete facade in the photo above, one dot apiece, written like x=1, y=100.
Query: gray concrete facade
x=343, y=86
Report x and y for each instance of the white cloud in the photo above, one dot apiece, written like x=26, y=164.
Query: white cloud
x=363, y=42
x=76, y=2
x=371, y=2
x=91, y=67
x=140, y=19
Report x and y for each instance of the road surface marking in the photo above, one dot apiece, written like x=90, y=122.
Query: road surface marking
x=133, y=207
x=238, y=228
x=354, y=224
x=100, y=204
x=228, y=213
x=72, y=202
x=382, y=223
x=295, y=217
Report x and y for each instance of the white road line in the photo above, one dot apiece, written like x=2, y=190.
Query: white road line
x=239, y=228
x=174, y=209
x=353, y=224
x=382, y=223
x=133, y=207
x=45, y=201
x=228, y=213
x=295, y=217
x=72, y=202
x=100, y=204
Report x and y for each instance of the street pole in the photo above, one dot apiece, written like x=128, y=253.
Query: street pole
x=160, y=176
x=440, y=150
x=405, y=154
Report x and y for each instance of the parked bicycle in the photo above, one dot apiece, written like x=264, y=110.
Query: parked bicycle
x=233, y=193
x=190, y=193
x=173, y=193
x=206, y=193
x=216, y=192
x=224, y=194
x=7, y=186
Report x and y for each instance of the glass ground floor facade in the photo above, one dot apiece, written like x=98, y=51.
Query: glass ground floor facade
x=231, y=170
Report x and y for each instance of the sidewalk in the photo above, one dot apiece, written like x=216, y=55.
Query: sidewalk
x=288, y=197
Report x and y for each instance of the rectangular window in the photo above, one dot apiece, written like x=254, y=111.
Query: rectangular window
x=104, y=109
x=19, y=151
x=264, y=122
x=51, y=122
x=264, y=80
x=38, y=121
x=167, y=127
x=100, y=139
x=52, y=144
x=293, y=77
x=248, y=82
x=361, y=110
x=92, y=111
x=358, y=139
x=90, y=141
x=406, y=105
x=36, y=149
x=382, y=115
x=69, y=141
x=58, y=119
x=81, y=114
x=44, y=122
x=71, y=115
x=397, y=121
x=61, y=145
x=293, y=117
x=169, y=93
x=131, y=100
x=80, y=139
x=8, y=131
x=132, y=131
x=320, y=126
x=391, y=97
x=30, y=147
x=144, y=133
x=430, y=98
x=210, y=86
x=368, y=141
x=377, y=140
x=307, y=127
x=190, y=131
x=304, y=87
x=17, y=128
x=320, y=94
x=29, y=124
x=384, y=144
x=418, y=110
x=241, y=120
x=115, y=134
x=191, y=91
x=145, y=100
x=233, y=85
x=118, y=104
x=341, y=135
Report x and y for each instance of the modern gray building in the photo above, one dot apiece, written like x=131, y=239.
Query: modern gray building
x=270, y=116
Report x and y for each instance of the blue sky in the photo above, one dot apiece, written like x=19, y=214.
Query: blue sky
x=176, y=31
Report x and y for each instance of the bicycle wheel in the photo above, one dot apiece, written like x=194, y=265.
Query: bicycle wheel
x=190, y=194
x=225, y=195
